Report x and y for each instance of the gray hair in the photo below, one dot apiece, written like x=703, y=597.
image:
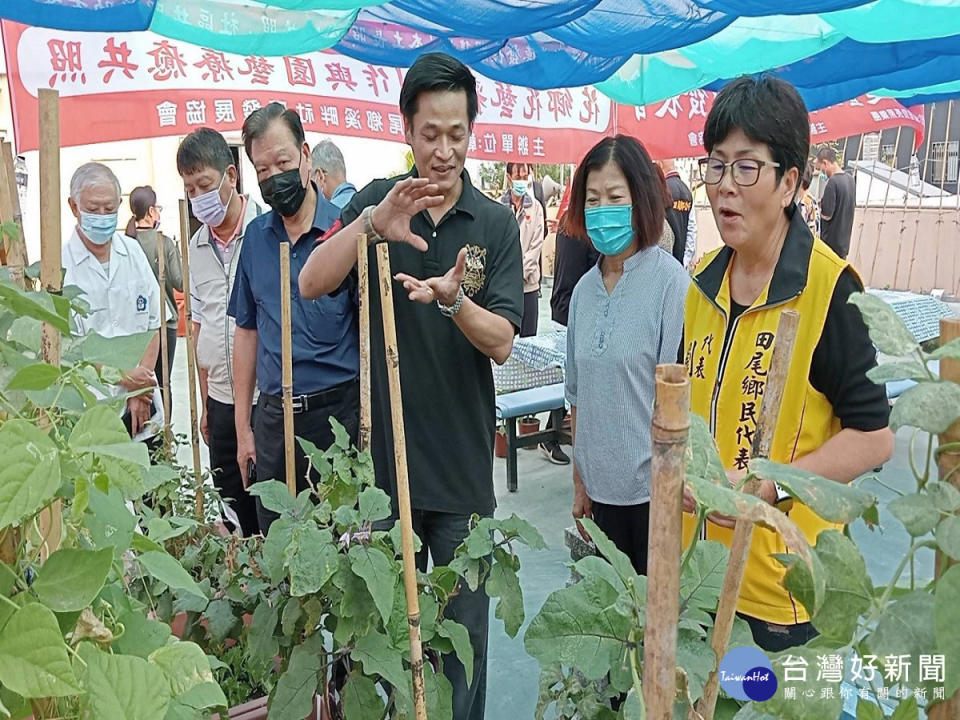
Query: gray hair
x=328, y=157
x=89, y=175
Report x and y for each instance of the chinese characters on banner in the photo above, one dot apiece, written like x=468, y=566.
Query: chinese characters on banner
x=674, y=127
x=135, y=85
x=893, y=677
x=139, y=85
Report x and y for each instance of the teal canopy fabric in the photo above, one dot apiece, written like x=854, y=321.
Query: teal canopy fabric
x=635, y=51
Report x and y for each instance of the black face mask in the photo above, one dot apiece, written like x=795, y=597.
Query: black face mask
x=284, y=192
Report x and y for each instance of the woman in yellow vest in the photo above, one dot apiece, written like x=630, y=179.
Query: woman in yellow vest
x=833, y=420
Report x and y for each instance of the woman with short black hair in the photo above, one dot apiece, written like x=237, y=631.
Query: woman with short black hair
x=625, y=317
x=833, y=419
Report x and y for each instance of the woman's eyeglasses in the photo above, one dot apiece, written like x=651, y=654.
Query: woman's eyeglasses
x=746, y=171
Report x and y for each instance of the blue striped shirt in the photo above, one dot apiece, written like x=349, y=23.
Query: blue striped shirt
x=614, y=343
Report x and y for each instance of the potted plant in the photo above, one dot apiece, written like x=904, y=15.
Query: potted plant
x=528, y=424
x=500, y=442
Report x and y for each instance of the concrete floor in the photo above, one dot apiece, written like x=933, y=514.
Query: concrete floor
x=545, y=499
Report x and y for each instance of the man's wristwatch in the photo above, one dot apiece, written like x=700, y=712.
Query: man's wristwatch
x=451, y=310
x=784, y=500
x=373, y=236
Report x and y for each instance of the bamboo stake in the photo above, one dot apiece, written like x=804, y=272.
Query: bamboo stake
x=50, y=263
x=671, y=423
x=50, y=520
x=50, y=240
x=363, y=276
x=191, y=353
x=923, y=179
x=164, y=350
x=286, y=369
x=403, y=482
x=883, y=210
x=743, y=530
x=16, y=248
x=9, y=538
x=947, y=462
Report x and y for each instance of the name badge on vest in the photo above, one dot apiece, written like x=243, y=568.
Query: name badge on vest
x=141, y=303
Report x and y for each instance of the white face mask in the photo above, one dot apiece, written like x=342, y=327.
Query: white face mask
x=209, y=208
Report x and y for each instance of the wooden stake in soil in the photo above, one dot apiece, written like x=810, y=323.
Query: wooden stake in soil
x=363, y=281
x=15, y=261
x=50, y=239
x=671, y=423
x=403, y=482
x=743, y=530
x=191, y=353
x=16, y=248
x=947, y=465
x=164, y=356
x=50, y=264
x=286, y=369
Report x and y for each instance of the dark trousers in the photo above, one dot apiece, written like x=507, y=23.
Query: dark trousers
x=312, y=425
x=171, y=351
x=531, y=311
x=223, y=465
x=441, y=534
x=775, y=638
x=628, y=526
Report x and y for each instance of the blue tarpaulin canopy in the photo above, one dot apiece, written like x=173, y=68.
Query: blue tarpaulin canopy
x=635, y=51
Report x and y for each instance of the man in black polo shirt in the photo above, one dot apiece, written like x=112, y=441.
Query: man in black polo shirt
x=326, y=360
x=464, y=313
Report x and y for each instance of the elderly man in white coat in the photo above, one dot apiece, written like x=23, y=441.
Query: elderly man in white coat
x=119, y=286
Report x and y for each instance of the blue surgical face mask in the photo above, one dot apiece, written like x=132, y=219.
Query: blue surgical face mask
x=98, y=228
x=610, y=228
x=519, y=187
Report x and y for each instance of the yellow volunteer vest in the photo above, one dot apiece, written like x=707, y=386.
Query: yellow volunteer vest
x=727, y=385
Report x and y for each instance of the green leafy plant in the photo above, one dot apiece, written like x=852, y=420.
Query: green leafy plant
x=73, y=640
x=318, y=606
x=588, y=636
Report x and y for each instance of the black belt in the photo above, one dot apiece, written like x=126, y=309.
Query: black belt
x=314, y=401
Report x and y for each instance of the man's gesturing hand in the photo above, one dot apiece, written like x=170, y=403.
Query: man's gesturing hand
x=391, y=218
x=445, y=288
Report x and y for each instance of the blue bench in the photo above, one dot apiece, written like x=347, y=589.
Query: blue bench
x=513, y=405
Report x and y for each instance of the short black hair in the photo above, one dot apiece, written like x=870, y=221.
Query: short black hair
x=201, y=149
x=437, y=72
x=257, y=122
x=827, y=153
x=768, y=110
x=648, y=191
x=511, y=166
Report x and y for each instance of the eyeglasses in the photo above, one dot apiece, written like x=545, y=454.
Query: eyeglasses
x=746, y=171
